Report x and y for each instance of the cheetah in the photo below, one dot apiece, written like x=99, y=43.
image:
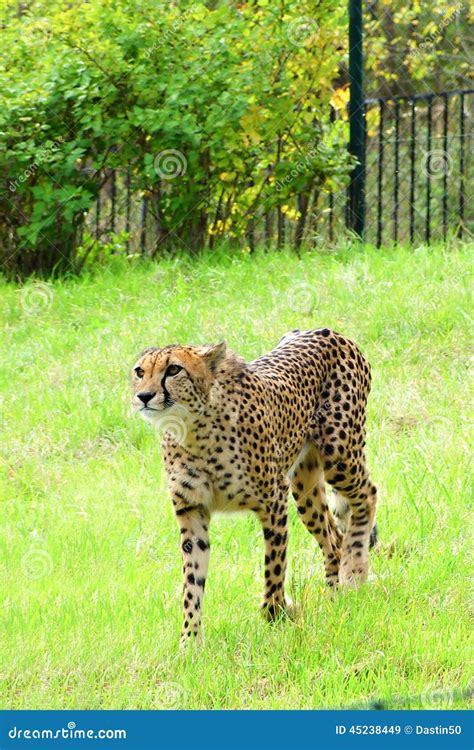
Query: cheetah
x=238, y=436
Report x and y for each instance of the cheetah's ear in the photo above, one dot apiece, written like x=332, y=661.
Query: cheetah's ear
x=213, y=355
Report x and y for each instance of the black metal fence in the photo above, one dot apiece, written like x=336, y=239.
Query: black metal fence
x=418, y=183
x=418, y=167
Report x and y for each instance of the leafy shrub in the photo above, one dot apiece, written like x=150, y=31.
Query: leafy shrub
x=221, y=111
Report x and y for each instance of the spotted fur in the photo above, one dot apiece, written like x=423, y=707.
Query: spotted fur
x=238, y=436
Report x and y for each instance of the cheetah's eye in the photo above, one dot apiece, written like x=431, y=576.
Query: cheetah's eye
x=173, y=370
x=139, y=372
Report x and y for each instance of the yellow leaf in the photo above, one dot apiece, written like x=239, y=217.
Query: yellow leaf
x=340, y=97
x=372, y=120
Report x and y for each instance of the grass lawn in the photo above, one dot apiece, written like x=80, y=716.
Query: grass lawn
x=90, y=561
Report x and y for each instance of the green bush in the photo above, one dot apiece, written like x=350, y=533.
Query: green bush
x=222, y=111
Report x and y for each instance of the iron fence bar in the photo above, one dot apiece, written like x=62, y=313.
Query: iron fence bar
x=113, y=196
x=332, y=117
x=143, y=218
x=128, y=183
x=412, y=170
x=428, y=172
x=446, y=166
x=356, y=118
x=331, y=216
x=397, y=167
x=380, y=174
x=97, y=216
x=461, y=167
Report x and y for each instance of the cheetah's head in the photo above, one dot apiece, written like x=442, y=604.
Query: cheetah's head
x=174, y=381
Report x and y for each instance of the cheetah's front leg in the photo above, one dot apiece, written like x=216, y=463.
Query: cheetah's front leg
x=275, y=534
x=194, y=527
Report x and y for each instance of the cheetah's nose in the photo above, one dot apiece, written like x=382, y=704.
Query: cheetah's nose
x=145, y=396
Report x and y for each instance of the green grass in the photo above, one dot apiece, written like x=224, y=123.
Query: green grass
x=90, y=556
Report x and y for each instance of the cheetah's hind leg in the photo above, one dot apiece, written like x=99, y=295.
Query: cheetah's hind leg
x=309, y=493
x=341, y=510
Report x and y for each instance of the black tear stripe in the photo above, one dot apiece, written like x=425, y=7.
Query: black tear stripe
x=168, y=401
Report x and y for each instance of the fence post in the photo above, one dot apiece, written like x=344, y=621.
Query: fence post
x=356, y=119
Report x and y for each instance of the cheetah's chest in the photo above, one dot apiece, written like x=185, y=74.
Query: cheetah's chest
x=232, y=485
